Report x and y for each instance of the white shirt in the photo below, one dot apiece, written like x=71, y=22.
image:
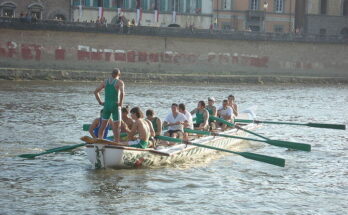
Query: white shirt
x=179, y=118
x=225, y=112
x=189, y=119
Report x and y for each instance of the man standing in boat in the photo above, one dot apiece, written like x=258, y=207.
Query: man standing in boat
x=114, y=97
x=141, y=126
x=202, y=117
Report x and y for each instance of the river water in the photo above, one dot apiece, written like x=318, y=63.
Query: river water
x=35, y=116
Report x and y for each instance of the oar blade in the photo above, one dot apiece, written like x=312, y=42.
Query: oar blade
x=27, y=155
x=263, y=158
x=58, y=149
x=85, y=127
x=332, y=126
x=290, y=145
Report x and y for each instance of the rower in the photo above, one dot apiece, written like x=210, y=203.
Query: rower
x=202, y=116
x=188, y=123
x=126, y=119
x=156, y=121
x=232, y=103
x=175, y=121
x=95, y=126
x=225, y=112
x=212, y=112
x=141, y=126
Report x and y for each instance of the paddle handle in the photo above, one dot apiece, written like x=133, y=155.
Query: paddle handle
x=310, y=124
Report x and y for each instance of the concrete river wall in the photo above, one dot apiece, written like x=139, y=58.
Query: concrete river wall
x=48, y=54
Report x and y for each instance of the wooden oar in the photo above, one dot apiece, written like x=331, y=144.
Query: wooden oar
x=310, y=124
x=263, y=158
x=58, y=149
x=280, y=143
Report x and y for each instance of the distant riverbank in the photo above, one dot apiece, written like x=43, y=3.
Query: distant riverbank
x=76, y=75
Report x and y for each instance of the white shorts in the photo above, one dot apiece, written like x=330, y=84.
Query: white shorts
x=133, y=142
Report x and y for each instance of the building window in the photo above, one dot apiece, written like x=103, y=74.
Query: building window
x=145, y=4
x=7, y=9
x=254, y=4
x=279, y=6
x=35, y=10
x=198, y=6
x=226, y=5
x=81, y=2
x=278, y=28
x=345, y=8
x=323, y=7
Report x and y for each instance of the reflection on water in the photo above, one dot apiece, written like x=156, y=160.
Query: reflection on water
x=35, y=116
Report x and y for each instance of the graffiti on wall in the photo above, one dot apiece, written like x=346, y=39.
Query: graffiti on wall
x=34, y=52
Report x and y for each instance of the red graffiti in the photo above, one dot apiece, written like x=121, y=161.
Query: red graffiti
x=96, y=55
x=60, y=54
x=108, y=56
x=12, y=49
x=154, y=57
x=142, y=56
x=83, y=55
x=223, y=58
x=30, y=52
x=131, y=56
x=120, y=56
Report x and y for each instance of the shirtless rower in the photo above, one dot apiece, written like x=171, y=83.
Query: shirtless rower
x=232, y=103
x=125, y=118
x=141, y=126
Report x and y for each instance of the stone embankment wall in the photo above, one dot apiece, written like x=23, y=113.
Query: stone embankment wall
x=26, y=54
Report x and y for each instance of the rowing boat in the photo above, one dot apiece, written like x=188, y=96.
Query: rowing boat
x=115, y=156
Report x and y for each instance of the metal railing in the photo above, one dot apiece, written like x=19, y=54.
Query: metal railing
x=24, y=24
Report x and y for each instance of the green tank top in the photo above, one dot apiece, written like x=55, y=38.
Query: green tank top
x=199, y=117
x=154, y=124
x=111, y=94
x=210, y=110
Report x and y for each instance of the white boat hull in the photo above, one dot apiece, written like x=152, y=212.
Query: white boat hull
x=102, y=156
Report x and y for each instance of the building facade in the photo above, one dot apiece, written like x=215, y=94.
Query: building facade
x=255, y=15
x=283, y=16
x=197, y=13
x=326, y=17
x=40, y=9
